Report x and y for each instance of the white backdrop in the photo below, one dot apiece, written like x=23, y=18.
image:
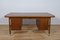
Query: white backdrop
x=51, y=6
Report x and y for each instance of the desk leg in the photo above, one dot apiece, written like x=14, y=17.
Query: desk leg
x=38, y=24
x=9, y=26
x=49, y=26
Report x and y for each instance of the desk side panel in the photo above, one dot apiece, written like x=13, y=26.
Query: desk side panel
x=15, y=23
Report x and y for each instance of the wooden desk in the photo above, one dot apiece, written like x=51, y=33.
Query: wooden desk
x=43, y=20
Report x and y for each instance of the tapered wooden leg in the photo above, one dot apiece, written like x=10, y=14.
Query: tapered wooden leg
x=9, y=30
x=9, y=26
x=37, y=22
x=49, y=26
x=49, y=31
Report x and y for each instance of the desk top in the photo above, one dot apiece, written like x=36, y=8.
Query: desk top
x=30, y=14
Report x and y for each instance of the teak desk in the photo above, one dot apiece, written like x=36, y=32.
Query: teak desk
x=43, y=20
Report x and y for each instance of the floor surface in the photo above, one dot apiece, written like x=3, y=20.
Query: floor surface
x=29, y=33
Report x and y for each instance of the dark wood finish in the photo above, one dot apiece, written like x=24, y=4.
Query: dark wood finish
x=29, y=15
x=42, y=20
x=16, y=23
x=43, y=23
